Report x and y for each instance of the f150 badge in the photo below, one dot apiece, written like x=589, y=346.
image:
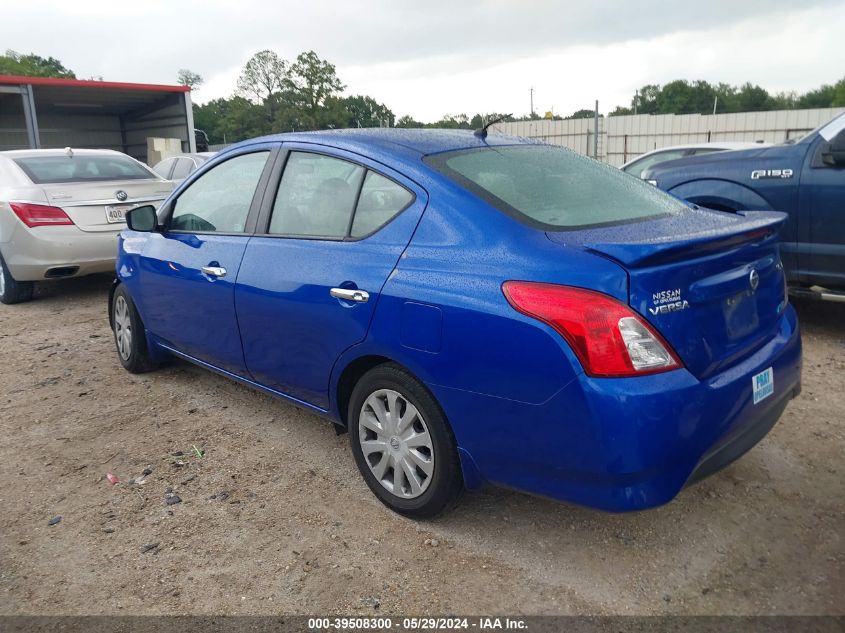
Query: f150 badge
x=667, y=301
x=761, y=174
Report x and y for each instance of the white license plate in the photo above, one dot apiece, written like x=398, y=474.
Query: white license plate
x=117, y=213
x=763, y=385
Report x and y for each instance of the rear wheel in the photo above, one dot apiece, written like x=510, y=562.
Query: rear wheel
x=129, y=335
x=12, y=291
x=402, y=443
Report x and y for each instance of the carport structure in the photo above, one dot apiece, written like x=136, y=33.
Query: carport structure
x=46, y=112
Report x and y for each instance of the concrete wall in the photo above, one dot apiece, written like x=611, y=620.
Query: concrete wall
x=622, y=138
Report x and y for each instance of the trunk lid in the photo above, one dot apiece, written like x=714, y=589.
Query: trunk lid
x=711, y=283
x=91, y=204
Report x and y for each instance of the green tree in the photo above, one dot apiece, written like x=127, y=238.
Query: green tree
x=687, y=97
x=309, y=82
x=838, y=94
x=233, y=119
x=750, y=98
x=32, y=65
x=481, y=119
x=584, y=113
x=188, y=78
x=408, y=121
x=825, y=96
x=453, y=122
x=358, y=111
x=263, y=75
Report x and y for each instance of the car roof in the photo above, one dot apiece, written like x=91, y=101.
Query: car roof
x=724, y=145
x=405, y=142
x=203, y=156
x=31, y=153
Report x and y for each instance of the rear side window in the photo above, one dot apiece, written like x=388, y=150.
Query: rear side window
x=638, y=167
x=81, y=168
x=553, y=188
x=164, y=168
x=322, y=196
x=184, y=166
x=380, y=200
x=219, y=200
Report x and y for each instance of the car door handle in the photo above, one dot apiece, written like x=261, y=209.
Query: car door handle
x=349, y=294
x=214, y=271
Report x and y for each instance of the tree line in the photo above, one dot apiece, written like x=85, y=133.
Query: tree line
x=277, y=95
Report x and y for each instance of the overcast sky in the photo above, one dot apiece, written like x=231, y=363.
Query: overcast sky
x=427, y=58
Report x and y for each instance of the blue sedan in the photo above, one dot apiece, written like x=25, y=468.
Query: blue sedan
x=471, y=309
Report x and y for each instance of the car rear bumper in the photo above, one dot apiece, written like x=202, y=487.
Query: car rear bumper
x=626, y=444
x=46, y=252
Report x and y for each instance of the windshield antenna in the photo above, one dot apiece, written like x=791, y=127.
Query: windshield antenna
x=482, y=131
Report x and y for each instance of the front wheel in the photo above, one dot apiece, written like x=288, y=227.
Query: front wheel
x=11, y=290
x=402, y=443
x=129, y=335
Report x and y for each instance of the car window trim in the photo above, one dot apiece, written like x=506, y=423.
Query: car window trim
x=257, y=196
x=265, y=215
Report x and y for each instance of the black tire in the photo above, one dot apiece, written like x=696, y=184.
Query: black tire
x=131, y=344
x=12, y=291
x=446, y=482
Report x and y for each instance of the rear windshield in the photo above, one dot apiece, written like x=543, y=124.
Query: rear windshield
x=81, y=168
x=554, y=188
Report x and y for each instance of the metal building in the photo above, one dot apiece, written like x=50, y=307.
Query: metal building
x=38, y=112
x=622, y=138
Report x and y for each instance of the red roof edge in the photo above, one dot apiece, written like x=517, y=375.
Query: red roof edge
x=88, y=83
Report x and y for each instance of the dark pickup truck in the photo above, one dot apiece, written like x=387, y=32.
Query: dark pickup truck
x=805, y=179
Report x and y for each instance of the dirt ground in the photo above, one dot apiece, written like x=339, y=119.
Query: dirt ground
x=275, y=519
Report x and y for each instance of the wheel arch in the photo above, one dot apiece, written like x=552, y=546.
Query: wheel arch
x=349, y=377
x=723, y=195
x=112, y=289
x=349, y=373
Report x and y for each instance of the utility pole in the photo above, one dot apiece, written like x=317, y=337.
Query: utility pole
x=636, y=99
x=531, y=90
x=596, y=132
x=715, y=103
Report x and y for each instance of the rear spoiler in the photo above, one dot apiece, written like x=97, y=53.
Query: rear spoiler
x=757, y=226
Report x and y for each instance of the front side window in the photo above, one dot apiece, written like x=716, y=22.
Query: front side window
x=316, y=196
x=553, y=188
x=219, y=200
x=82, y=168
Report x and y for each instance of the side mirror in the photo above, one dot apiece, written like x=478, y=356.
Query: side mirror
x=142, y=218
x=834, y=153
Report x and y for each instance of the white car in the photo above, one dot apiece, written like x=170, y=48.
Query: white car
x=179, y=167
x=642, y=162
x=61, y=212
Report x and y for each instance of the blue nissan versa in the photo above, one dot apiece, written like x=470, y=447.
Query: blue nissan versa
x=471, y=309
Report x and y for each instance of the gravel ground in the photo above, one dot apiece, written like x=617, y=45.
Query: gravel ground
x=275, y=519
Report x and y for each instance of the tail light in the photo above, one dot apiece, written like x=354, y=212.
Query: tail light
x=609, y=338
x=39, y=214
